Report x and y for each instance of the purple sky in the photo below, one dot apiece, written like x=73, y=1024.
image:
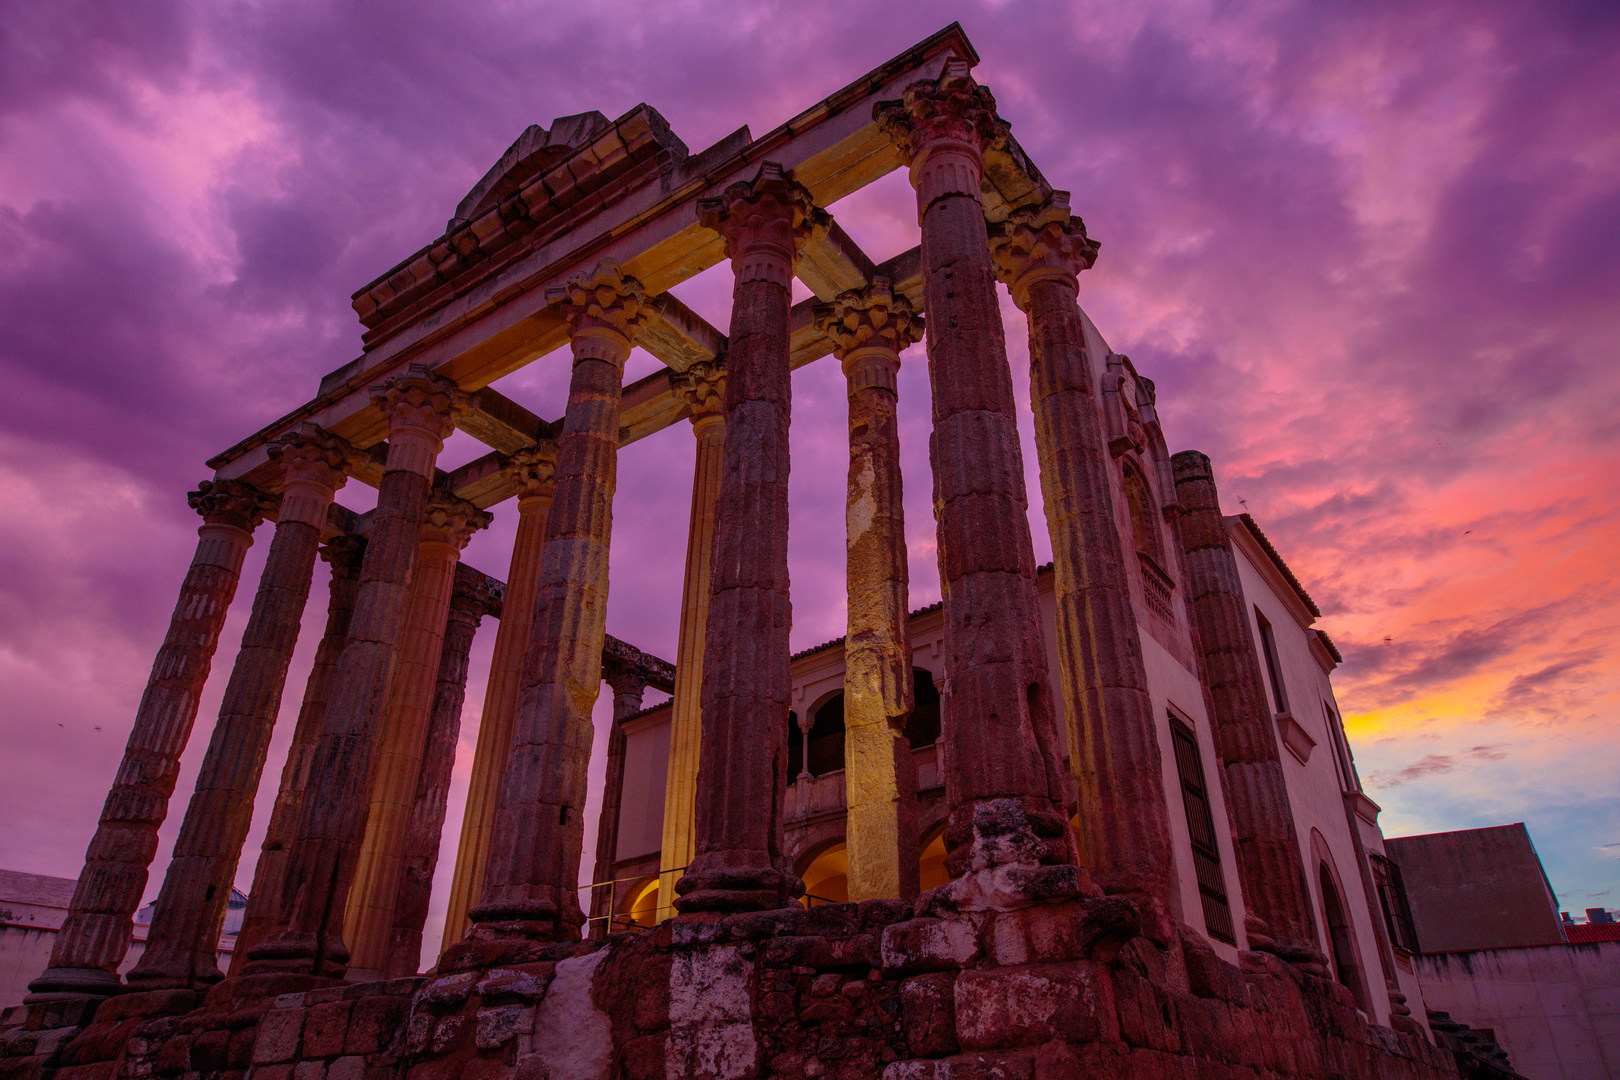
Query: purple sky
x=1367, y=252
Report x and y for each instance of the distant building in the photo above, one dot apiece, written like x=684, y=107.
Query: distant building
x=1496, y=951
x=32, y=907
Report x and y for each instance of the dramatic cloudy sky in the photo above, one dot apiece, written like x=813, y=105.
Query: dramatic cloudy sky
x=1367, y=252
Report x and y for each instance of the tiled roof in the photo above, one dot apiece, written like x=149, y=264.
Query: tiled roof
x=1586, y=933
x=38, y=889
x=1282, y=567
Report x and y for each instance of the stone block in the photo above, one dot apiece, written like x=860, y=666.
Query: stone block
x=876, y=914
x=928, y=1011
x=448, y=991
x=270, y=1072
x=920, y=945
x=174, y=1057
x=1025, y=1006
x=970, y=1066
x=418, y=1030
x=211, y=1052
x=825, y=985
x=520, y=983
x=349, y=1067
x=498, y=1026
x=373, y=1023
x=447, y=1032
x=838, y=920
x=326, y=1029
x=309, y=1070
x=643, y=1058
x=651, y=1009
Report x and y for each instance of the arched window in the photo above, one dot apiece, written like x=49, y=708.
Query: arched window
x=922, y=728
x=1345, y=967
x=826, y=740
x=1144, y=522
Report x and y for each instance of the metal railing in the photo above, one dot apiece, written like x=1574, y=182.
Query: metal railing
x=618, y=920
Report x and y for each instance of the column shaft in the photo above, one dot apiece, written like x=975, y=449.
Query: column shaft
x=531, y=883
x=742, y=758
x=880, y=775
x=420, y=408
x=1257, y=803
x=190, y=910
x=705, y=392
x=1113, y=732
x=425, y=828
x=95, y=935
x=532, y=470
x=402, y=741
x=628, y=686
x=343, y=553
x=1003, y=774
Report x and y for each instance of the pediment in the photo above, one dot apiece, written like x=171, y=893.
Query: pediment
x=536, y=151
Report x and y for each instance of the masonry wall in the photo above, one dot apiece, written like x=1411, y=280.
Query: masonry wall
x=1555, y=1009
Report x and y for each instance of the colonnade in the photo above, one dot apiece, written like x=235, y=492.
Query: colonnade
x=341, y=881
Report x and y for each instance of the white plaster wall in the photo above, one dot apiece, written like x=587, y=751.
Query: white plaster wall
x=646, y=771
x=1555, y=1009
x=1314, y=787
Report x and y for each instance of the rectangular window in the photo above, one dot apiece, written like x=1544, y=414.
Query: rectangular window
x=1201, y=826
x=1392, y=898
x=1268, y=651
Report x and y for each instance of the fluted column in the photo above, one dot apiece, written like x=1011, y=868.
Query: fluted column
x=343, y=554
x=742, y=760
x=1004, y=773
x=869, y=329
x=448, y=525
x=704, y=387
x=190, y=910
x=95, y=934
x=420, y=409
x=470, y=601
x=532, y=472
x=530, y=887
x=628, y=685
x=1262, y=818
x=1113, y=732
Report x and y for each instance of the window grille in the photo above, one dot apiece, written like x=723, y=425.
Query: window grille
x=1392, y=898
x=1156, y=588
x=1201, y=826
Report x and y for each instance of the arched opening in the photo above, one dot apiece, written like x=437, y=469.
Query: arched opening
x=931, y=872
x=639, y=906
x=922, y=728
x=826, y=739
x=1144, y=524
x=1338, y=927
x=826, y=878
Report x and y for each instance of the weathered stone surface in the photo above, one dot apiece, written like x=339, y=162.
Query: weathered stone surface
x=628, y=683
x=533, y=472
x=1035, y=1003
x=738, y=863
x=929, y=1004
x=95, y=934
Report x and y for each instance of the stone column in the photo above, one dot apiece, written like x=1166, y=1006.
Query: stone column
x=1004, y=772
x=343, y=554
x=704, y=387
x=95, y=935
x=190, y=910
x=869, y=329
x=742, y=760
x=628, y=685
x=1113, y=732
x=449, y=524
x=470, y=601
x=532, y=472
x=531, y=885
x=420, y=408
x=1268, y=852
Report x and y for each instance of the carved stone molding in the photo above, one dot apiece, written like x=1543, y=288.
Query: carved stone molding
x=230, y=502
x=1042, y=243
x=602, y=301
x=703, y=387
x=952, y=109
x=874, y=316
x=452, y=521
x=418, y=401
x=764, y=221
x=532, y=470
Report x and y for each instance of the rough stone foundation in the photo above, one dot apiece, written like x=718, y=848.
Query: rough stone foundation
x=847, y=991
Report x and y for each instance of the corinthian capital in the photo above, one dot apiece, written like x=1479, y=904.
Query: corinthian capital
x=345, y=553
x=532, y=470
x=418, y=401
x=230, y=502
x=875, y=316
x=602, y=299
x=451, y=520
x=952, y=109
x=764, y=222
x=311, y=455
x=1041, y=243
x=703, y=386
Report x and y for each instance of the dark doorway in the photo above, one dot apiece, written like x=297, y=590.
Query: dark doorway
x=1344, y=949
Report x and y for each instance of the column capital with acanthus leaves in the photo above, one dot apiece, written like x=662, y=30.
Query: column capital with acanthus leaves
x=764, y=222
x=421, y=409
x=605, y=309
x=532, y=470
x=1041, y=243
x=231, y=502
x=452, y=520
x=951, y=111
x=703, y=387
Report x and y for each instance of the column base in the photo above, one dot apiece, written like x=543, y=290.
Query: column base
x=294, y=952
x=1301, y=954
x=728, y=881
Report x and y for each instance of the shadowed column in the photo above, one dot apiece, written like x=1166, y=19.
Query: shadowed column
x=704, y=387
x=420, y=409
x=530, y=888
x=470, y=601
x=738, y=863
x=448, y=525
x=1269, y=858
x=190, y=910
x=95, y=934
x=1113, y=733
x=628, y=685
x=532, y=472
x=1004, y=772
x=869, y=329
x=343, y=554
